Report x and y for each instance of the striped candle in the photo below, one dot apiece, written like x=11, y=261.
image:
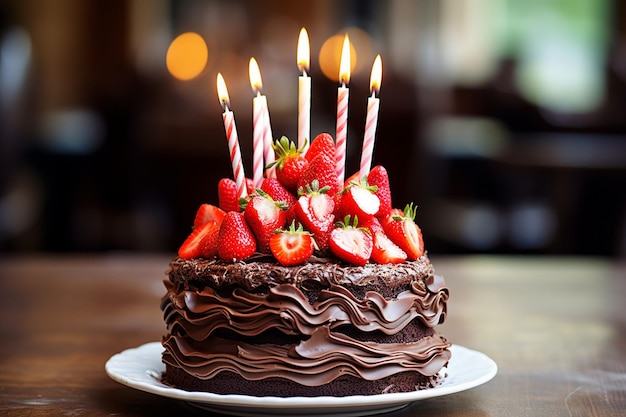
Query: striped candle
x=342, y=110
x=371, y=120
x=232, y=138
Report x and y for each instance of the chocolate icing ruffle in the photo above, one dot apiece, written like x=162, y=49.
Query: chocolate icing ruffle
x=313, y=362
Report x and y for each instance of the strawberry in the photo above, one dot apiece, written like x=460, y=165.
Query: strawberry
x=394, y=212
x=236, y=241
x=202, y=242
x=359, y=199
x=350, y=243
x=403, y=231
x=323, y=170
x=275, y=189
x=227, y=195
x=323, y=144
x=292, y=246
x=372, y=224
x=384, y=251
x=352, y=178
x=208, y=212
x=378, y=177
x=314, y=210
x=289, y=163
x=264, y=216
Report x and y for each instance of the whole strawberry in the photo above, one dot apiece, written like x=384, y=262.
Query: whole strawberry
x=403, y=231
x=314, y=210
x=263, y=215
x=378, y=177
x=292, y=246
x=236, y=241
x=323, y=144
x=323, y=170
x=227, y=195
x=351, y=243
x=289, y=163
x=278, y=192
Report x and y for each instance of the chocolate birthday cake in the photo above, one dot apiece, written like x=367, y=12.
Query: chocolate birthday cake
x=298, y=283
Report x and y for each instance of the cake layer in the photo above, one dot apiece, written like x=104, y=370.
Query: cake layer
x=309, y=325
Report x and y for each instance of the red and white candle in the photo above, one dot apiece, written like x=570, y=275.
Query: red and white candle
x=342, y=110
x=304, y=92
x=259, y=123
x=231, y=137
x=371, y=121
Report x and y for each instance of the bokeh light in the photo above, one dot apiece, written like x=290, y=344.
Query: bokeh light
x=187, y=56
x=360, y=53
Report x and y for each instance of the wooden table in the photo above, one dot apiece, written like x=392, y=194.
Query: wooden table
x=555, y=326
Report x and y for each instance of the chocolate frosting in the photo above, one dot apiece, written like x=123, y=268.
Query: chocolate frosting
x=194, y=308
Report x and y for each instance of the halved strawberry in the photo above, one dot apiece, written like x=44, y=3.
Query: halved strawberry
x=403, y=231
x=236, y=241
x=289, y=163
x=351, y=243
x=384, y=251
x=378, y=177
x=359, y=199
x=323, y=144
x=292, y=246
x=202, y=242
x=263, y=215
x=314, y=210
x=208, y=212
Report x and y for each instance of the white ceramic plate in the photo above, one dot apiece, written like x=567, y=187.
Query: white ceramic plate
x=141, y=368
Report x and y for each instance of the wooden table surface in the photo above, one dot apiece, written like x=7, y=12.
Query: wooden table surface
x=555, y=326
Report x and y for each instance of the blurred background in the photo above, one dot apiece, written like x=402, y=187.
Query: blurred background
x=503, y=120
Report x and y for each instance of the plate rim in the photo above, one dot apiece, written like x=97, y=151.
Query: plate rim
x=149, y=382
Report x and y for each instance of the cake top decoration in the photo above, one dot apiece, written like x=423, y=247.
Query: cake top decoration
x=298, y=203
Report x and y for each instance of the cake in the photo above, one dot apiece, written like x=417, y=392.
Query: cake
x=306, y=287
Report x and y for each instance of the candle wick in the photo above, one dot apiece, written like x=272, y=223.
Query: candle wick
x=258, y=92
x=304, y=74
x=373, y=93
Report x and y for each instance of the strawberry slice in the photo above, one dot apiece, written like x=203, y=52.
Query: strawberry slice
x=292, y=246
x=208, y=212
x=350, y=243
x=360, y=200
x=403, y=231
x=236, y=241
x=384, y=251
x=314, y=210
x=263, y=215
x=202, y=242
x=378, y=177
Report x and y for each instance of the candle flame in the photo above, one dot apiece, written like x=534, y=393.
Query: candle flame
x=255, y=76
x=222, y=91
x=377, y=75
x=303, y=55
x=344, y=66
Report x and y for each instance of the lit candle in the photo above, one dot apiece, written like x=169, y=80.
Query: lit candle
x=231, y=137
x=342, y=109
x=261, y=122
x=371, y=120
x=304, y=92
x=259, y=103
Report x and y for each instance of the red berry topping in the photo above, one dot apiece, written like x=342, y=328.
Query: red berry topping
x=202, y=242
x=403, y=231
x=263, y=215
x=289, y=163
x=236, y=241
x=292, y=246
x=350, y=243
x=208, y=212
x=378, y=177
